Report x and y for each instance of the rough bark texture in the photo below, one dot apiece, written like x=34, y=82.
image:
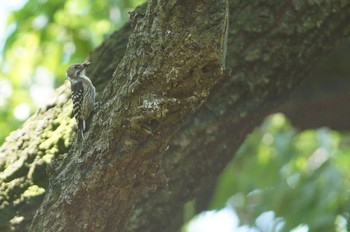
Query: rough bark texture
x=271, y=47
x=169, y=120
x=166, y=73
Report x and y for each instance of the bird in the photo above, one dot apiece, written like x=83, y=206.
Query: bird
x=83, y=95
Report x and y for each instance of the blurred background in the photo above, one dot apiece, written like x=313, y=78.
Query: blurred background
x=282, y=176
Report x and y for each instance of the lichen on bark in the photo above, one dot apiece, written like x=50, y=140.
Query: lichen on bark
x=24, y=157
x=176, y=64
x=169, y=117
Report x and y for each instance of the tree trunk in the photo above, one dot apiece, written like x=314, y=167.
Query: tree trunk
x=179, y=89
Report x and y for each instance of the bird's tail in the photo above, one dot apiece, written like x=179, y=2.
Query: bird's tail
x=81, y=128
x=80, y=135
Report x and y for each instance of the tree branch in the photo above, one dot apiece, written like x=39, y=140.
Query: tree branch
x=271, y=47
x=166, y=73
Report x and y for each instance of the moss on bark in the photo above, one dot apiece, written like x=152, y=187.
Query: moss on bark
x=168, y=120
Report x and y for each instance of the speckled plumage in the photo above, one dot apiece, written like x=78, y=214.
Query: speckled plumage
x=83, y=96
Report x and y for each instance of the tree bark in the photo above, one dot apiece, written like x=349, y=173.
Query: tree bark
x=170, y=117
x=166, y=73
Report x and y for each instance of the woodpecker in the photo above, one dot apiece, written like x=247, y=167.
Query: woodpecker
x=83, y=95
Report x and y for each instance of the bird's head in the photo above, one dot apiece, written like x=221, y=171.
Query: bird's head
x=76, y=70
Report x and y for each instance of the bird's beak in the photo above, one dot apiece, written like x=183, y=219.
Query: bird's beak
x=86, y=64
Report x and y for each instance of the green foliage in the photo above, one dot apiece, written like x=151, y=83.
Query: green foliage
x=44, y=38
x=301, y=176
